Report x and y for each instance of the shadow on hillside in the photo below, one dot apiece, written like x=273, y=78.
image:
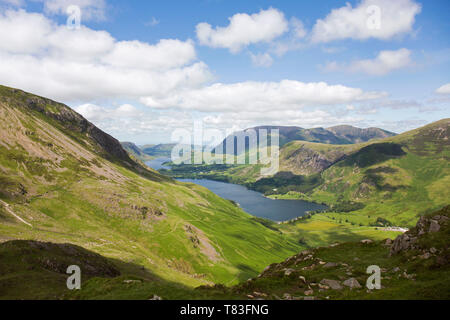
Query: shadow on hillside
x=37, y=271
x=373, y=154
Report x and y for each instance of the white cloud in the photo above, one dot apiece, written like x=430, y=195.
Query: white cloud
x=395, y=17
x=40, y=56
x=22, y=32
x=90, y=9
x=385, y=62
x=298, y=28
x=244, y=30
x=261, y=59
x=97, y=113
x=445, y=89
x=261, y=96
x=167, y=53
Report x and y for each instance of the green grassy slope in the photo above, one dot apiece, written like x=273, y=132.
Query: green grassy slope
x=74, y=184
x=419, y=271
x=395, y=179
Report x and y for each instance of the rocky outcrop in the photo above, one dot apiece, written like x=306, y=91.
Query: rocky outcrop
x=426, y=225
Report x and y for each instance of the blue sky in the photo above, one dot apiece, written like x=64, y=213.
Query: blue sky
x=232, y=64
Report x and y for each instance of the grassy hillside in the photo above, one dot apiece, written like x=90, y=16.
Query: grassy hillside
x=135, y=152
x=392, y=180
x=414, y=266
x=396, y=179
x=65, y=181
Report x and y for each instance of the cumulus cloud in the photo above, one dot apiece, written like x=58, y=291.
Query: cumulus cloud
x=385, y=62
x=90, y=9
x=261, y=59
x=97, y=113
x=380, y=19
x=243, y=30
x=261, y=96
x=445, y=89
x=15, y=3
x=298, y=28
x=43, y=57
x=167, y=53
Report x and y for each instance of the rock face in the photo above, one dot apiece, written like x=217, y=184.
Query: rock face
x=70, y=121
x=307, y=161
x=425, y=225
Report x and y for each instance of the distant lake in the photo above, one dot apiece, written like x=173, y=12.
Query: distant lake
x=158, y=163
x=255, y=203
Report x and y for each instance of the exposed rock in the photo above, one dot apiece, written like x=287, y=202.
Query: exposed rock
x=288, y=272
x=330, y=265
x=352, y=283
x=403, y=242
x=287, y=296
x=155, y=297
x=259, y=294
x=434, y=226
x=366, y=241
x=425, y=256
x=333, y=284
x=408, y=240
x=131, y=281
x=309, y=292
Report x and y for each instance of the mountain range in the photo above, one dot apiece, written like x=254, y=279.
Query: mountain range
x=71, y=194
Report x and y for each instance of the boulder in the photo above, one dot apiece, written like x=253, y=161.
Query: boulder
x=330, y=265
x=352, y=283
x=333, y=284
x=434, y=226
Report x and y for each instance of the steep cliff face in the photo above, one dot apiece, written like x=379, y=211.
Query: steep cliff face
x=307, y=158
x=67, y=120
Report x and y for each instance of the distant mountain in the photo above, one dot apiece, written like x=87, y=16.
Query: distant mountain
x=159, y=150
x=338, y=135
x=396, y=178
x=357, y=135
x=135, y=151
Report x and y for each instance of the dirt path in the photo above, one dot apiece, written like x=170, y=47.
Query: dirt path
x=15, y=215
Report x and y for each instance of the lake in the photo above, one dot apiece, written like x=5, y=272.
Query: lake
x=158, y=163
x=255, y=203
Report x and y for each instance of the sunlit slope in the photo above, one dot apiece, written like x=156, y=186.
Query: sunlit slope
x=396, y=178
x=73, y=183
